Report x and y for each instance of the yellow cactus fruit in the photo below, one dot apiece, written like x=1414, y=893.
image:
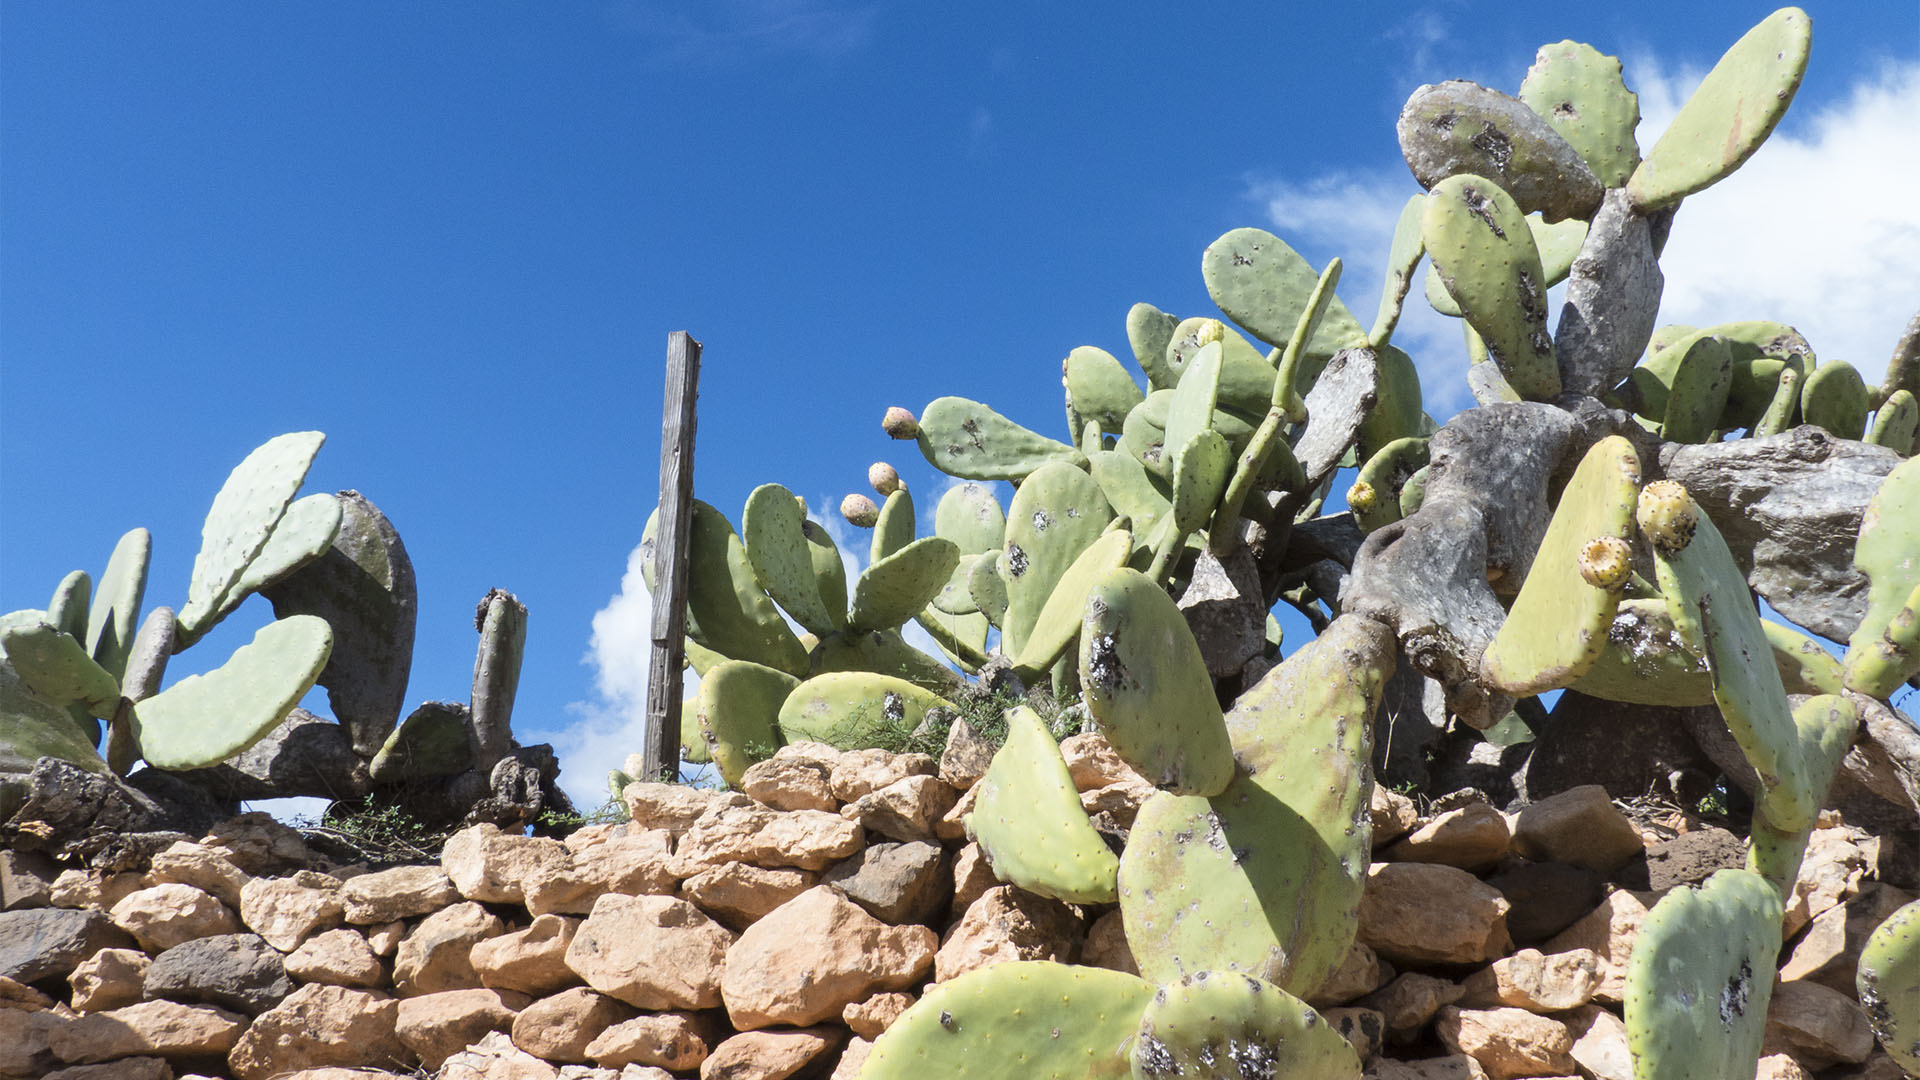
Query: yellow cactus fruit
x=1667, y=515
x=1606, y=562
x=1361, y=498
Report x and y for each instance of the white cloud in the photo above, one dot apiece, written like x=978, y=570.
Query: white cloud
x=1819, y=230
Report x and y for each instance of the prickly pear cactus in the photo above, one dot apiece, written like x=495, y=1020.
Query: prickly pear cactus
x=967, y=439
x=1889, y=983
x=1480, y=244
x=250, y=694
x=738, y=710
x=850, y=709
x=1881, y=654
x=250, y=504
x=1227, y=1024
x=1030, y=824
x=781, y=545
x=1699, y=979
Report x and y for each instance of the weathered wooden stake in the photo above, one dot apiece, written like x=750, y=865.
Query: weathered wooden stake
x=662, y=749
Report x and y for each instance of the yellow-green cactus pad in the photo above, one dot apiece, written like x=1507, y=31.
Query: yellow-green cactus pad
x=738, y=710
x=851, y=709
x=1059, y=621
x=1222, y=1023
x=1030, y=824
x=203, y=720
x=1889, y=554
x=1700, y=977
x=1888, y=980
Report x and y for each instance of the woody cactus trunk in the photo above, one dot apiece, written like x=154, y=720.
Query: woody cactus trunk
x=1602, y=524
x=82, y=705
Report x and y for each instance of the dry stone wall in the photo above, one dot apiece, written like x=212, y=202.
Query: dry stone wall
x=777, y=931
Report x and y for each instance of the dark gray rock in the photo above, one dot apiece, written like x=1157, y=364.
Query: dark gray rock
x=306, y=755
x=234, y=971
x=1547, y=897
x=1225, y=610
x=1631, y=750
x=26, y=879
x=48, y=943
x=895, y=883
x=1613, y=294
x=1687, y=859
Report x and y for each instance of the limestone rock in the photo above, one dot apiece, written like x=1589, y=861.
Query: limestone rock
x=109, y=979
x=93, y=888
x=1536, y=982
x=1579, y=826
x=1508, y=1042
x=972, y=876
x=488, y=865
x=871, y=1018
x=1609, y=932
x=436, y=956
x=808, y=839
x=1831, y=871
x=852, y=1059
x=790, y=784
x=1828, y=952
x=1547, y=897
x=1363, y=1028
x=1470, y=837
x=24, y=1041
x=385, y=939
x=1394, y=815
x=1106, y=945
x=813, y=956
x=907, y=809
x=858, y=772
x=561, y=1027
x=1454, y=1067
x=240, y=972
x=953, y=824
x=258, y=844
x=896, y=883
x=495, y=1057
x=400, y=893
x=286, y=911
x=1818, y=1025
x=1360, y=974
x=437, y=1026
x=671, y=1040
x=532, y=960
x=966, y=756
x=338, y=958
x=1691, y=858
x=1423, y=913
x=737, y=894
x=652, y=952
x=673, y=807
x=1780, y=1067
x=318, y=1026
x=163, y=916
x=202, y=867
x=130, y=1068
x=161, y=1028
x=1410, y=1002
x=1600, y=1043
x=1007, y=923
x=767, y=1055
x=47, y=943
x=634, y=864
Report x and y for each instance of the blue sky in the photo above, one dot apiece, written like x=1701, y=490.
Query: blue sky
x=455, y=237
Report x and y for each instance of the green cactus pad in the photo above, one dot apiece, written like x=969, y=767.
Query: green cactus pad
x=114, y=616
x=1888, y=552
x=971, y=517
x=1699, y=979
x=1264, y=285
x=55, y=666
x=1805, y=667
x=1437, y=295
x=1144, y=439
x=1131, y=491
x=1031, y=1019
x=881, y=652
x=1398, y=411
x=1058, y=513
x=962, y=637
x=1385, y=474
x=1098, y=388
x=1888, y=980
x=1228, y=1024
x=1896, y=425
x=1403, y=257
x=988, y=587
x=433, y=742
x=1645, y=662
x=1147, y=687
x=502, y=623
x=895, y=588
x=67, y=609
x=1059, y=621
x=1825, y=726
x=851, y=709
x=894, y=530
x=1580, y=94
x=249, y=695
x=693, y=738
x=1200, y=472
x=726, y=609
x=773, y=529
x=1149, y=331
x=1460, y=128
x=1558, y=245
x=1481, y=245
x=967, y=439
x=738, y=709
x=1246, y=375
x=1030, y=824
x=1835, y=397
x=956, y=596
x=1697, y=395
x=1265, y=878
x=1731, y=113
x=1190, y=410
x=31, y=727
x=238, y=525
x=1558, y=625
x=302, y=534
x=1715, y=615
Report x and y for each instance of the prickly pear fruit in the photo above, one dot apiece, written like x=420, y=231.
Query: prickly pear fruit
x=859, y=511
x=1667, y=515
x=884, y=478
x=900, y=423
x=1030, y=824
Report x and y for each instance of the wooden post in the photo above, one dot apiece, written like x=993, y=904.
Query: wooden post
x=678, y=413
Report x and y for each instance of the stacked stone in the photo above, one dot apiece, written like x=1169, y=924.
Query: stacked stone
x=778, y=930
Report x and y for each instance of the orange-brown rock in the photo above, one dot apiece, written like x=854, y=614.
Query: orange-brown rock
x=859, y=772
x=670, y=1040
x=159, y=1028
x=399, y=893
x=337, y=957
x=561, y=1027
x=188, y=863
x=1609, y=932
x=488, y=865
x=633, y=864
x=767, y=1055
x=163, y=916
x=1535, y=981
x=1424, y=913
x=436, y=956
x=872, y=1017
x=285, y=911
x=1007, y=923
x=437, y=1026
x=652, y=952
x=109, y=979
x=737, y=894
x=1471, y=837
x=808, y=839
x=1580, y=826
x=1508, y=1042
x=318, y=1026
x=532, y=960
x=813, y=956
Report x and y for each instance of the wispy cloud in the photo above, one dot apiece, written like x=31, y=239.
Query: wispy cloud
x=1419, y=34
x=979, y=132
x=724, y=31
x=1819, y=230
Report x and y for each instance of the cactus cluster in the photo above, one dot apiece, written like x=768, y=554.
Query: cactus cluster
x=342, y=590
x=1589, y=525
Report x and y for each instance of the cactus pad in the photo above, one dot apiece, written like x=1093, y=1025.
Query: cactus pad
x=1098, y=388
x=1403, y=257
x=1059, y=621
x=726, y=609
x=738, y=709
x=115, y=614
x=1033, y=1019
x=1732, y=112
x=1702, y=375
x=1058, y=513
x=1264, y=285
x=971, y=517
x=1149, y=331
x=242, y=517
x=1888, y=980
x=967, y=439
x=850, y=709
x=1896, y=425
x=893, y=528
x=1645, y=662
x=1889, y=554
x=434, y=741
x=896, y=588
x=55, y=666
x=249, y=695
x=1558, y=624
x=1835, y=397
x=1699, y=979
x=1580, y=94
x=1483, y=249
x=31, y=727
x=1030, y=824
x=1460, y=128
x=773, y=529
x=1228, y=1024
